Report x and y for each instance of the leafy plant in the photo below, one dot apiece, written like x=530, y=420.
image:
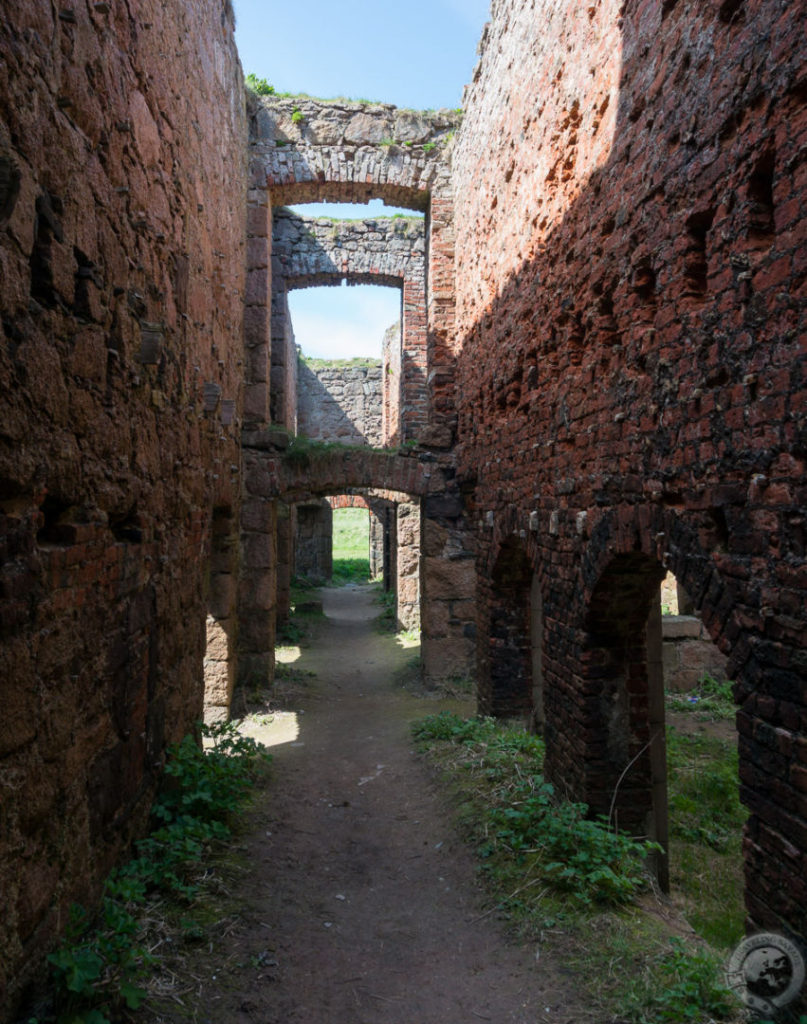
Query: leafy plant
x=297, y=115
x=685, y=985
x=527, y=828
x=102, y=962
x=554, y=870
x=259, y=85
x=429, y=146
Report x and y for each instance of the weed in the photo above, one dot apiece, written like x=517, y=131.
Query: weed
x=350, y=570
x=339, y=364
x=681, y=985
x=103, y=961
x=429, y=146
x=527, y=828
x=351, y=543
x=259, y=85
x=556, y=872
x=290, y=632
x=297, y=115
x=387, y=620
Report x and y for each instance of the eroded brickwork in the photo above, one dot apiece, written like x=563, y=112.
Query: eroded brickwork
x=121, y=262
x=629, y=184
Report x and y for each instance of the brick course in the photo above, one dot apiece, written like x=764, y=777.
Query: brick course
x=630, y=374
x=121, y=262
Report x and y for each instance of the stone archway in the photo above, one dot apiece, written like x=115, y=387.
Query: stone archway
x=304, y=150
x=309, y=252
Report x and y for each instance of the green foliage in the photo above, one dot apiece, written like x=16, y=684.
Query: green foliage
x=351, y=533
x=429, y=146
x=339, y=364
x=683, y=985
x=553, y=870
x=102, y=962
x=712, y=699
x=527, y=827
x=454, y=729
x=259, y=85
x=297, y=115
x=350, y=570
x=302, y=451
x=290, y=632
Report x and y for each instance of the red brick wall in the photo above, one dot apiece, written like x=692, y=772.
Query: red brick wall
x=120, y=347
x=629, y=185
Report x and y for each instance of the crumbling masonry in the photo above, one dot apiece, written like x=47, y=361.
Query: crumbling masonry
x=601, y=369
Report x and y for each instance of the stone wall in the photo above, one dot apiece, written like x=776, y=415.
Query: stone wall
x=121, y=268
x=338, y=402
x=311, y=251
x=688, y=653
x=391, y=367
x=631, y=378
x=313, y=542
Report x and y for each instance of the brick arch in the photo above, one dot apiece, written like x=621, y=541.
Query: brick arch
x=605, y=705
x=305, y=150
x=337, y=501
x=309, y=251
x=687, y=547
x=329, y=471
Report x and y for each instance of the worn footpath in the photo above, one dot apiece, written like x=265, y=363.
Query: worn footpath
x=360, y=904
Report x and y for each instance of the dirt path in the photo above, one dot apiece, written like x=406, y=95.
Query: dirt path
x=360, y=905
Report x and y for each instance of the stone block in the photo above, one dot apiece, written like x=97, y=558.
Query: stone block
x=675, y=627
x=447, y=659
x=218, y=643
x=449, y=579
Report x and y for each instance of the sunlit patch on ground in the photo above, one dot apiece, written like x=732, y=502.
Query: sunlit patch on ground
x=272, y=728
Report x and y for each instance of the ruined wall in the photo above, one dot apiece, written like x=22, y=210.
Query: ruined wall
x=391, y=369
x=311, y=251
x=121, y=270
x=628, y=184
x=338, y=402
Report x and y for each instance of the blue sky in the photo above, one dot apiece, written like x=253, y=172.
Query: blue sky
x=419, y=54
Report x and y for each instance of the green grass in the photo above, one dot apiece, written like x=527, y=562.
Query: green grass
x=351, y=546
x=711, y=700
x=570, y=881
x=706, y=821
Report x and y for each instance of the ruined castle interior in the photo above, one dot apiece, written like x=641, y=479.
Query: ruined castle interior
x=599, y=378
